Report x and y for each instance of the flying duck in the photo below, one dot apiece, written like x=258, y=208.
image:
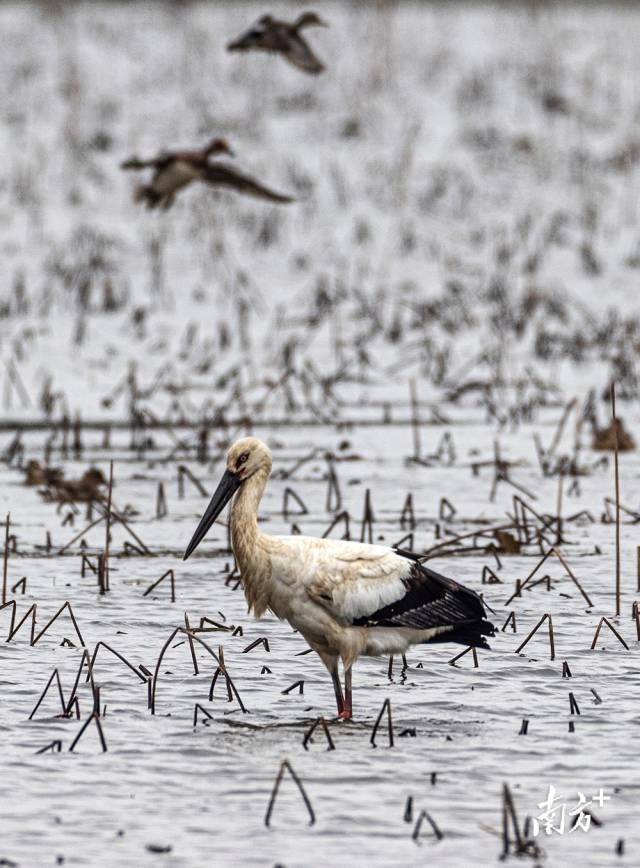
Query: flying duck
x=174, y=170
x=280, y=37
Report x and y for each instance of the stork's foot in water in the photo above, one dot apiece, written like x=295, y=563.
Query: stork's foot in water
x=346, y=713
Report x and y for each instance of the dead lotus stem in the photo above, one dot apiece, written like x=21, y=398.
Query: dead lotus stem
x=5, y=558
x=635, y=614
x=192, y=649
x=96, y=718
x=488, y=531
x=117, y=654
x=606, y=621
x=55, y=674
x=511, y=621
x=286, y=766
x=309, y=733
x=13, y=627
x=107, y=539
x=425, y=815
x=386, y=706
x=617, y=488
x=552, y=551
x=81, y=534
x=64, y=606
x=171, y=576
x=84, y=659
x=453, y=660
x=221, y=665
x=545, y=617
x=204, y=711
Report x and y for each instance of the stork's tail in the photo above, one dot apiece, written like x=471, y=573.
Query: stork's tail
x=471, y=634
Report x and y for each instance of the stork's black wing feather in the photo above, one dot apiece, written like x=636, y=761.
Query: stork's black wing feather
x=432, y=600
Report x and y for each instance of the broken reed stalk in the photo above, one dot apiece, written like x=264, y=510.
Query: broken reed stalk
x=559, y=510
x=171, y=576
x=367, y=519
x=617, y=486
x=453, y=660
x=309, y=733
x=606, y=621
x=161, y=502
x=92, y=661
x=286, y=766
x=105, y=561
x=5, y=559
x=81, y=534
x=454, y=539
x=509, y=814
x=197, y=707
x=73, y=697
x=552, y=551
x=209, y=650
x=545, y=617
x=95, y=717
x=386, y=706
x=64, y=606
x=13, y=627
x=415, y=422
x=55, y=674
x=425, y=815
x=191, y=645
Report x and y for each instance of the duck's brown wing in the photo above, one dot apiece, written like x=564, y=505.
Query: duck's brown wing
x=220, y=175
x=159, y=162
x=300, y=55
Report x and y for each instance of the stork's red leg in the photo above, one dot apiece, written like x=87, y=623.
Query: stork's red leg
x=335, y=677
x=347, y=712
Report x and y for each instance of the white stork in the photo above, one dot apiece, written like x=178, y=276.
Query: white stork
x=347, y=599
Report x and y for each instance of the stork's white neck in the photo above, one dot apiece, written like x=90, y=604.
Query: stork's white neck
x=249, y=544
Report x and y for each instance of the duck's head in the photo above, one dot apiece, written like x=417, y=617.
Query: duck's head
x=246, y=457
x=310, y=19
x=218, y=146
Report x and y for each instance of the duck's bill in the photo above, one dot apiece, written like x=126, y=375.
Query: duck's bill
x=227, y=487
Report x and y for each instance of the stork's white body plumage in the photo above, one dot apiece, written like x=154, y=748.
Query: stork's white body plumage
x=321, y=586
x=347, y=599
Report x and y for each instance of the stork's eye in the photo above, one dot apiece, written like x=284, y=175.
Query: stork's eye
x=243, y=458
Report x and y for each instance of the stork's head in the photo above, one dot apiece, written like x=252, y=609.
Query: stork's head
x=245, y=458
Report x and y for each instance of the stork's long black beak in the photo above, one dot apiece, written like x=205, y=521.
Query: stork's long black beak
x=227, y=487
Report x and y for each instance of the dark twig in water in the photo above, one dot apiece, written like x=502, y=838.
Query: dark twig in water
x=5, y=559
x=117, y=654
x=617, y=487
x=286, y=766
x=386, y=706
x=606, y=621
x=170, y=574
x=545, y=617
x=453, y=660
x=309, y=733
x=64, y=606
x=55, y=674
x=107, y=539
x=425, y=815
x=95, y=717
